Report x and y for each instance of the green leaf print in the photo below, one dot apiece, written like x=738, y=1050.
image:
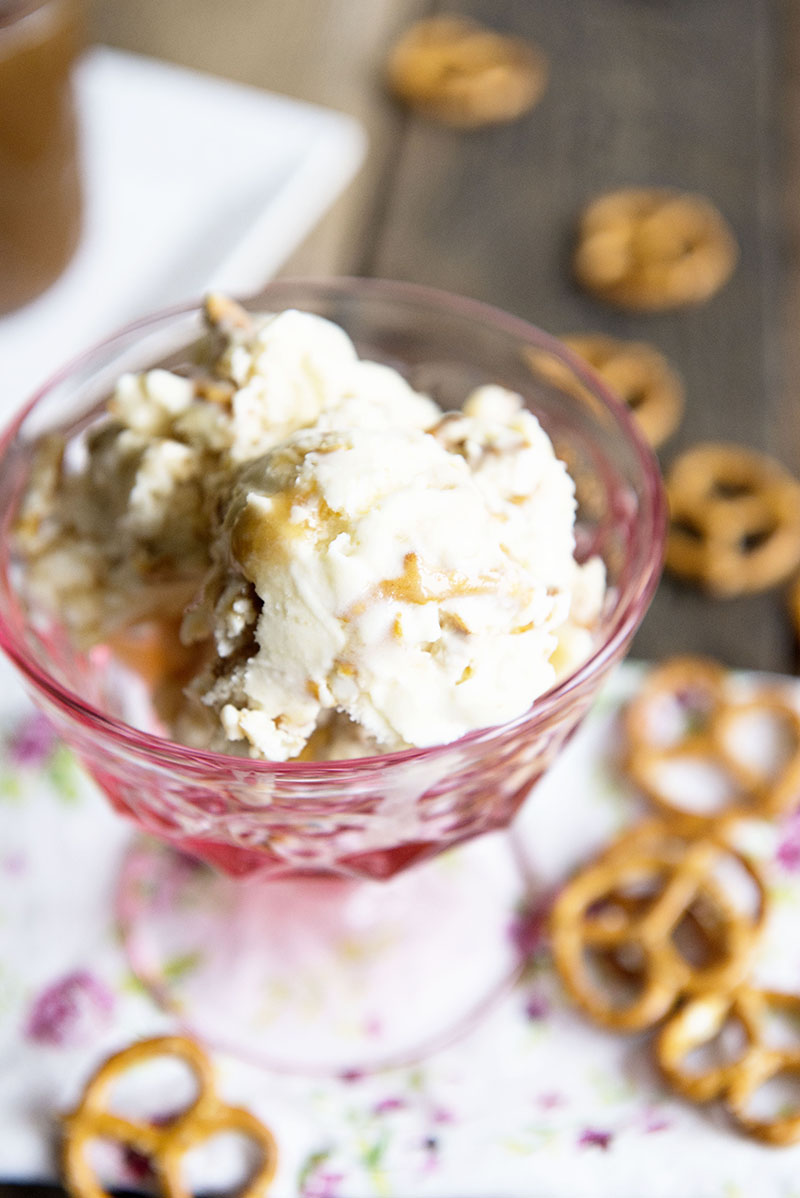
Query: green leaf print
x=372, y=1157
x=64, y=775
x=10, y=787
x=310, y=1165
x=178, y=968
x=131, y=984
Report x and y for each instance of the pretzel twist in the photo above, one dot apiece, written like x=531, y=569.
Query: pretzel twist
x=673, y=876
x=712, y=717
x=651, y=249
x=165, y=1145
x=735, y=519
x=640, y=376
x=460, y=72
x=735, y=1082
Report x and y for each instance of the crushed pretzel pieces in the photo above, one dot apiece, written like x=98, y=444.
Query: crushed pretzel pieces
x=457, y=71
x=735, y=519
x=164, y=1145
x=652, y=249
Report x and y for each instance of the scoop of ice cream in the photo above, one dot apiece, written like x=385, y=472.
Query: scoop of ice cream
x=363, y=571
x=384, y=587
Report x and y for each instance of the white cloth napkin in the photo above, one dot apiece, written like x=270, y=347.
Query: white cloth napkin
x=191, y=182
x=533, y=1102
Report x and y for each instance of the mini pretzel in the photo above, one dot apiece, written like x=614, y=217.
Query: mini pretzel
x=735, y=1082
x=164, y=1145
x=641, y=377
x=735, y=519
x=459, y=72
x=667, y=874
x=697, y=687
x=653, y=249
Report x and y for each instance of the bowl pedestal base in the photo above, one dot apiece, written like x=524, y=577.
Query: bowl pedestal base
x=319, y=973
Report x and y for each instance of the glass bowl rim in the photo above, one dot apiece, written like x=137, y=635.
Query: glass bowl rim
x=652, y=502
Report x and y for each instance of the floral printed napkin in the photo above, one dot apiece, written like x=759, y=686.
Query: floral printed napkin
x=532, y=1102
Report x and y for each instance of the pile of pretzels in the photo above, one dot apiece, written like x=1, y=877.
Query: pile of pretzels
x=659, y=932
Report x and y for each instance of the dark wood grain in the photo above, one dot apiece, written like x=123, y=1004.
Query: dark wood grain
x=648, y=92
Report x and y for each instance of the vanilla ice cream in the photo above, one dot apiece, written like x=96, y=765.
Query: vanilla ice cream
x=357, y=571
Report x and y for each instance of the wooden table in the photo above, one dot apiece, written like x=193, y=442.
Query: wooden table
x=697, y=94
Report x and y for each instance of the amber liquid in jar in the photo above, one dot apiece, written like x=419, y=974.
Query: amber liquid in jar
x=40, y=191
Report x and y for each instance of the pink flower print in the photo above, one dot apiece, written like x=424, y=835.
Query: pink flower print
x=134, y=1165
x=654, y=1121
x=324, y=1185
x=352, y=1075
x=14, y=864
x=787, y=853
x=387, y=1105
x=33, y=741
x=528, y=931
x=593, y=1138
x=70, y=1011
x=536, y=1007
x=316, y=1180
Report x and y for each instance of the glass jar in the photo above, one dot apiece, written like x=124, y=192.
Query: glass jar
x=40, y=190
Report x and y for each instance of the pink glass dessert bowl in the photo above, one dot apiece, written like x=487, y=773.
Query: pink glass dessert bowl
x=371, y=817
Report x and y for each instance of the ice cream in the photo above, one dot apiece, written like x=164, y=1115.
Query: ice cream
x=356, y=571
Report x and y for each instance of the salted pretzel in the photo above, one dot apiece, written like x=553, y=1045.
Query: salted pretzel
x=653, y=248
x=735, y=519
x=735, y=1081
x=642, y=378
x=630, y=906
x=165, y=1145
x=684, y=712
x=459, y=72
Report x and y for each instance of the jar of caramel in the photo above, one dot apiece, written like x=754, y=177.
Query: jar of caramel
x=40, y=192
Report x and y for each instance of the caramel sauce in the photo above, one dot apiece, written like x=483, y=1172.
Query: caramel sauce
x=256, y=534
x=260, y=535
x=316, y=747
x=40, y=192
x=155, y=651
x=414, y=587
